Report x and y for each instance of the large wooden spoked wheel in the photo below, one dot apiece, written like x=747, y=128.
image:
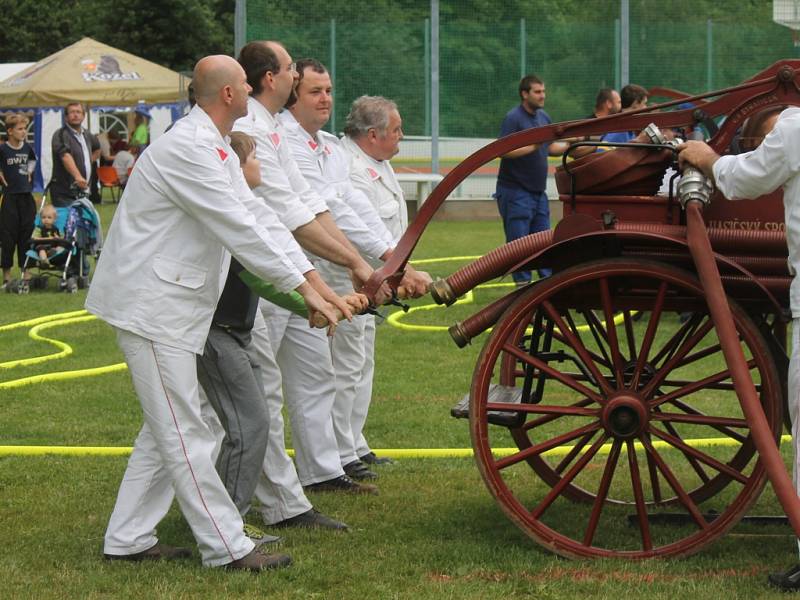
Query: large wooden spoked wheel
x=637, y=419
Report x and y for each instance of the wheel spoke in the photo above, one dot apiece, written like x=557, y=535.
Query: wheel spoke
x=721, y=428
x=670, y=364
x=701, y=456
x=538, y=422
x=599, y=335
x=649, y=335
x=577, y=345
x=559, y=440
x=638, y=496
x=576, y=449
x=542, y=409
x=611, y=331
x=693, y=462
x=556, y=490
x=629, y=334
x=684, y=331
x=652, y=470
x=673, y=482
x=695, y=386
x=602, y=492
x=700, y=419
x=558, y=375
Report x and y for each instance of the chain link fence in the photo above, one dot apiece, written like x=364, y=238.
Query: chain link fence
x=481, y=58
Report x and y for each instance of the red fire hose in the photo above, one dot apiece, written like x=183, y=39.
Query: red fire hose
x=700, y=248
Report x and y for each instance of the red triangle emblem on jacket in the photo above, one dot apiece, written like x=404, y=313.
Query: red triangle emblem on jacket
x=312, y=144
x=276, y=139
x=222, y=154
x=372, y=173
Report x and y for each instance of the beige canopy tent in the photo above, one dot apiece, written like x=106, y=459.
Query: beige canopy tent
x=94, y=73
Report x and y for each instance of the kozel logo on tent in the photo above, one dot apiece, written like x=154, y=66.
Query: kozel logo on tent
x=105, y=69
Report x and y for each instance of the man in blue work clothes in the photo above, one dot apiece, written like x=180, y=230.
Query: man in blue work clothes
x=522, y=179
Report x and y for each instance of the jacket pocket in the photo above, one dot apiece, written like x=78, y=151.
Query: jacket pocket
x=387, y=207
x=179, y=273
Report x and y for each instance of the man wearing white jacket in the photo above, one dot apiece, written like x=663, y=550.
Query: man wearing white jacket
x=302, y=354
x=157, y=283
x=325, y=165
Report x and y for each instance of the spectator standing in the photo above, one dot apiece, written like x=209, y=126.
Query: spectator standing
x=74, y=150
x=18, y=209
x=522, y=180
x=633, y=97
x=141, y=128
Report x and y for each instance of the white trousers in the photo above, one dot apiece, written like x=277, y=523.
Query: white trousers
x=309, y=390
x=278, y=491
x=172, y=457
x=352, y=354
x=794, y=405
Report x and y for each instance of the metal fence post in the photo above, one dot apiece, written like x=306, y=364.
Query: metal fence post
x=523, y=60
x=434, y=86
x=239, y=26
x=427, y=59
x=333, y=75
x=617, y=78
x=709, y=55
x=624, y=42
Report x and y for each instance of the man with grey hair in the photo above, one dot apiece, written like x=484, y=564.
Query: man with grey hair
x=373, y=131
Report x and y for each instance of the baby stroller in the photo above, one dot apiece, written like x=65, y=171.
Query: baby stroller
x=80, y=226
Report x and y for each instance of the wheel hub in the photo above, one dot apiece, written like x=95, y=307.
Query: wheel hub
x=625, y=416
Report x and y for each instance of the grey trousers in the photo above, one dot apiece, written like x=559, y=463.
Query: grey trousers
x=229, y=372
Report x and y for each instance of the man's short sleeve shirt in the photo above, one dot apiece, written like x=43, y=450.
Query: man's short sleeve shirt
x=530, y=171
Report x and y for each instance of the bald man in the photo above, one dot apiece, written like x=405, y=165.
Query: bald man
x=185, y=210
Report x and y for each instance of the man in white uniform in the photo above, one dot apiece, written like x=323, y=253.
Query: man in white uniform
x=373, y=131
x=775, y=163
x=302, y=354
x=157, y=283
x=325, y=165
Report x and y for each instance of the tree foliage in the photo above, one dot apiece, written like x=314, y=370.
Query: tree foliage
x=174, y=33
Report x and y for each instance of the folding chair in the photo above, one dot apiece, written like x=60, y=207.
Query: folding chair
x=108, y=179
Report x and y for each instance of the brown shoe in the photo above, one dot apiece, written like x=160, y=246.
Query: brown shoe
x=158, y=552
x=343, y=483
x=258, y=560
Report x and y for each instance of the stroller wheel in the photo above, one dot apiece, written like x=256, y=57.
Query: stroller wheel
x=71, y=285
x=83, y=282
x=12, y=287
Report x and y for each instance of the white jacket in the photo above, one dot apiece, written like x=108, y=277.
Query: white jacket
x=165, y=261
x=376, y=179
x=775, y=163
x=282, y=187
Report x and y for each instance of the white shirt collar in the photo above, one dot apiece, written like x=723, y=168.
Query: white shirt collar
x=259, y=111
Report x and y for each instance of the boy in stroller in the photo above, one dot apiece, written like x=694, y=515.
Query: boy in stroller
x=48, y=237
x=67, y=254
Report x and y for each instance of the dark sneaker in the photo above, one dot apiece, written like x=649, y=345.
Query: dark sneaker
x=157, y=552
x=788, y=581
x=312, y=519
x=359, y=471
x=342, y=484
x=258, y=560
x=259, y=537
x=370, y=459
x=24, y=287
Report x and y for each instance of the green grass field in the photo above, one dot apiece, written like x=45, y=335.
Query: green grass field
x=433, y=532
